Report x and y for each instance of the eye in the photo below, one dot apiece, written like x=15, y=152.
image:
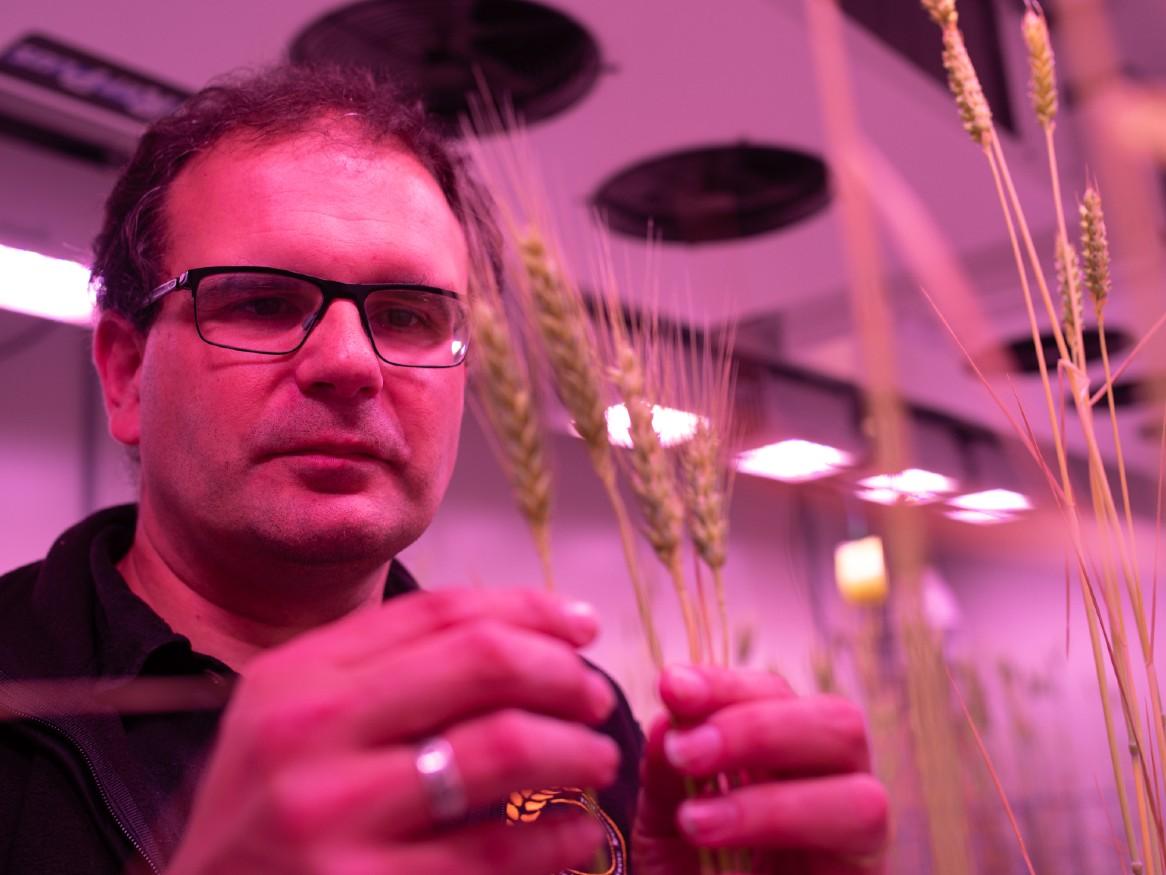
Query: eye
x=263, y=305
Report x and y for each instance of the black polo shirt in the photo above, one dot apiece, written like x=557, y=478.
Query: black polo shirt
x=96, y=791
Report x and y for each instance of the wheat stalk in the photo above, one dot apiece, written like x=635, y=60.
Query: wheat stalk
x=1117, y=555
x=928, y=711
x=653, y=483
x=507, y=398
x=557, y=312
x=705, y=474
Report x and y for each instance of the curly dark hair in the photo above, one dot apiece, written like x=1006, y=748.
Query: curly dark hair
x=270, y=105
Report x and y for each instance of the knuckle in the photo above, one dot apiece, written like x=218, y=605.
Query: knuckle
x=491, y=651
x=509, y=742
x=845, y=720
x=295, y=816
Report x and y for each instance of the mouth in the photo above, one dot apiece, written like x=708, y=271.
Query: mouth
x=342, y=450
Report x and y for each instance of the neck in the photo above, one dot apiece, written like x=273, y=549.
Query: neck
x=236, y=614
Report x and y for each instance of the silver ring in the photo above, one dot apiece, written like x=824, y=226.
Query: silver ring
x=442, y=780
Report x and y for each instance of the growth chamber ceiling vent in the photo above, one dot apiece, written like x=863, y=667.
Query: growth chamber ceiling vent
x=714, y=193
x=1023, y=354
x=534, y=57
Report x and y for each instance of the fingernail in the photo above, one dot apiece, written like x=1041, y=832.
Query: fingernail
x=707, y=819
x=693, y=749
x=582, y=619
x=686, y=684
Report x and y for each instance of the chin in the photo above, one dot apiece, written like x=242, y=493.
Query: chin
x=324, y=536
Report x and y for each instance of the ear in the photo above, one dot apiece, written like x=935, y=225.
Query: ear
x=117, y=353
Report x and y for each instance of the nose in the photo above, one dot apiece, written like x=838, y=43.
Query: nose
x=338, y=359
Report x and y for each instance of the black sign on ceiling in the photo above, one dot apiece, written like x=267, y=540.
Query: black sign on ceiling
x=67, y=70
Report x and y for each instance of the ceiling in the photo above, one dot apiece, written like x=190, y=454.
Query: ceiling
x=676, y=74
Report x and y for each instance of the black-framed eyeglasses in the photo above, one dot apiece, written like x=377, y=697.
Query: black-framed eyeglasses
x=270, y=311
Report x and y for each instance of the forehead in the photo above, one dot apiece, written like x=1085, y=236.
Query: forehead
x=322, y=202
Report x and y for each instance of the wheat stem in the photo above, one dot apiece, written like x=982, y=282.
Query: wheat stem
x=562, y=325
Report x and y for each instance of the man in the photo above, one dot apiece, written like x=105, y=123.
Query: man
x=282, y=276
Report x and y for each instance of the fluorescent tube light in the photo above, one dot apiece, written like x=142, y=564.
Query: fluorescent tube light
x=51, y=288
x=793, y=461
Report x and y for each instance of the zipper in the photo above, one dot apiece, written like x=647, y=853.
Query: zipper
x=125, y=831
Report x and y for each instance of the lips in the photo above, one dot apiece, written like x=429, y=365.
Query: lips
x=338, y=449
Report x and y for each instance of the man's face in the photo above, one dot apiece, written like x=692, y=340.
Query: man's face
x=327, y=454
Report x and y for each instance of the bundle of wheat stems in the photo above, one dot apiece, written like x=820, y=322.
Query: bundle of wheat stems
x=1109, y=574
x=682, y=493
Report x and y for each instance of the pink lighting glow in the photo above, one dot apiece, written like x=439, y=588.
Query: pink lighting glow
x=51, y=288
x=914, y=485
x=793, y=461
x=673, y=426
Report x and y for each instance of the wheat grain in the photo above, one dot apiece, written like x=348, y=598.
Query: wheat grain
x=507, y=398
x=1041, y=66
x=965, y=85
x=942, y=12
x=1069, y=286
x=1094, y=248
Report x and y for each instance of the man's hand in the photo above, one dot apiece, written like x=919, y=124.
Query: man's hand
x=809, y=807
x=315, y=766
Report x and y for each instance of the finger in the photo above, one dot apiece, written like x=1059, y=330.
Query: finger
x=661, y=786
x=843, y=816
x=550, y=845
x=493, y=756
x=693, y=692
x=415, y=615
x=467, y=670
x=815, y=735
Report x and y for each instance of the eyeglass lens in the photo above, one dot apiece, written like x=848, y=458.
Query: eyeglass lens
x=270, y=313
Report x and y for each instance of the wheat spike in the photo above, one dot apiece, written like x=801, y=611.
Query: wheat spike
x=1069, y=286
x=942, y=12
x=1041, y=66
x=1095, y=248
x=557, y=312
x=571, y=354
x=704, y=494
x=965, y=85
x=653, y=481
x=507, y=398
x=706, y=498
x=652, y=475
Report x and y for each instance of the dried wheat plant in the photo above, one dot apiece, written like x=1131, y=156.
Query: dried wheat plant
x=934, y=742
x=553, y=314
x=506, y=400
x=1108, y=573
x=642, y=371
x=705, y=388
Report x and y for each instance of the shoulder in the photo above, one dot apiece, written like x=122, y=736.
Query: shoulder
x=16, y=588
